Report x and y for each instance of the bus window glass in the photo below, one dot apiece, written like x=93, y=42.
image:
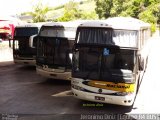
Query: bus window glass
x=123, y=38
x=27, y=31
x=21, y=40
x=66, y=32
x=95, y=36
x=54, y=51
x=94, y=64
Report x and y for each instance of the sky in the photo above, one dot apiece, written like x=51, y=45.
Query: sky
x=16, y=7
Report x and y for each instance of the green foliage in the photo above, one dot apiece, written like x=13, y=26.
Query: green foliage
x=72, y=12
x=146, y=10
x=89, y=15
x=39, y=12
x=59, y=7
x=103, y=8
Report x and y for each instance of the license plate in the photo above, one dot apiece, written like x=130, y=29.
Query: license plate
x=99, y=98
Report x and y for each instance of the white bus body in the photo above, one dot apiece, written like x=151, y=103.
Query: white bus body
x=108, y=59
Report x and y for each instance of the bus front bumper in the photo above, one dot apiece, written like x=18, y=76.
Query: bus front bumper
x=54, y=75
x=111, y=99
x=25, y=61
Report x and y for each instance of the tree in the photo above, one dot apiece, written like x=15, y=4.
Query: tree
x=150, y=13
x=39, y=12
x=103, y=8
x=146, y=10
x=88, y=15
x=71, y=12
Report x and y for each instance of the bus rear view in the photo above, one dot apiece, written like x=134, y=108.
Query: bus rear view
x=22, y=52
x=107, y=60
x=54, y=50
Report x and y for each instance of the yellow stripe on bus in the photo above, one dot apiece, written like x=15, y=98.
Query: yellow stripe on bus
x=121, y=87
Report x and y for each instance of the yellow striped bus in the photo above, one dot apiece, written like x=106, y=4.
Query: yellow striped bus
x=108, y=58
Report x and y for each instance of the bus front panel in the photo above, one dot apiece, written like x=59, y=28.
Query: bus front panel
x=54, y=57
x=22, y=52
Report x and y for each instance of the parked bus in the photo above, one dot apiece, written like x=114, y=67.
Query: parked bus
x=54, y=50
x=5, y=31
x=7, y=26
x=22, y=52
x=108, y=58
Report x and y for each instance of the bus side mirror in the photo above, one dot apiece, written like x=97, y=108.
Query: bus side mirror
x=32, y=40
x=141, y=63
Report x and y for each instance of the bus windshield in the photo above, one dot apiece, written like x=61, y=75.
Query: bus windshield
x=104, y=63
x=57, y=31
x=104, y=36
x=55, y=52
x=21, y=41
x=25, y=32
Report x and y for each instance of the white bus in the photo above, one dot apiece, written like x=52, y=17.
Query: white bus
x=23, y=53
x=108, y=57
x=54, y=50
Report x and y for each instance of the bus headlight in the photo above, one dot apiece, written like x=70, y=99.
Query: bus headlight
x=75, y=82
x=124, y=93
x=77, y=87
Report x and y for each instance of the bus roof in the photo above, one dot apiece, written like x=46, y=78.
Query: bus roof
x=62, y=24
x=50, y=29
x=30, y=25
x=128, y=23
